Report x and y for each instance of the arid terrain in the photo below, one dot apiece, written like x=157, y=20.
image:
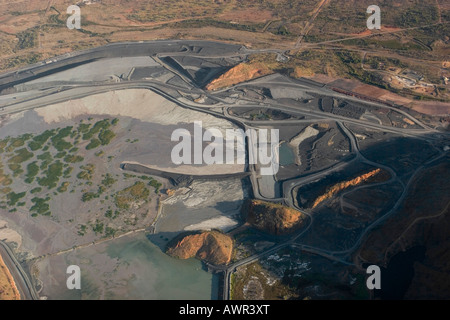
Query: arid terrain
x=8, y=290
x=90, y=119
x=409, y=55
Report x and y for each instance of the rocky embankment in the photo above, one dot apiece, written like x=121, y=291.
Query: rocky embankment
x=238, y=74
x=272, y=218
x=209, y=246
x=344, y=185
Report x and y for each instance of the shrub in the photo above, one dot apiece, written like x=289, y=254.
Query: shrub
x=110, y=232
x=58, y=140
x=15, y=168
x=125, y=197
x=93, y=144
x=52, y=175
x=46, y=158
x=40, y=206
x=36, y=190
x=106, y=136
x=73, y=159
x=63, y=187
x=13, y=197
x=32, y=171
x=40, y=140
x=67, y=172
x=22, y=155
x=103, y=124
x=98, y=227
x=88, y=196
x=108, y=181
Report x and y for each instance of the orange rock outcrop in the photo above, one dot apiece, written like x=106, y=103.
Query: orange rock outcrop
x=344, y=185
x=238, y=74
x=273, y=218
x=209, y=246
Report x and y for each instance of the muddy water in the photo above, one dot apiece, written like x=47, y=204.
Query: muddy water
x=131, y=267
x=287, y=155
x=162, y=277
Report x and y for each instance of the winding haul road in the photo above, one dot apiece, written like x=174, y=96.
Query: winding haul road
x=202, y=49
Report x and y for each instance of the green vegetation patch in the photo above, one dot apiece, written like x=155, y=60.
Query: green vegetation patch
x=39, y=141
x=99, y=134
x=137, y=192
x=105, y=136
x=99, y=153
x=16, y=169
x=155, y=184
x=36, y=190
x=73, y=158
x=110, y=232
x=63, y=187
x=112, y=215
x=98, y=126
x=152, y=182
x=40, y=206
x=59, y=141
x=18, y=142
x=13, y=197
x=83, y=128
x=61, y=154
x=32, y=171
x=46, y=158
x=52, y=175
x=67, y=172
x=22, y=155
x=26, y=39
x=93, y=144
x=88, y=196
x=82, y=230
x=5, y=180
x=98, y=227
x=108, y=181
x=87, y=172
x=418, y=16
x=3, y=144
